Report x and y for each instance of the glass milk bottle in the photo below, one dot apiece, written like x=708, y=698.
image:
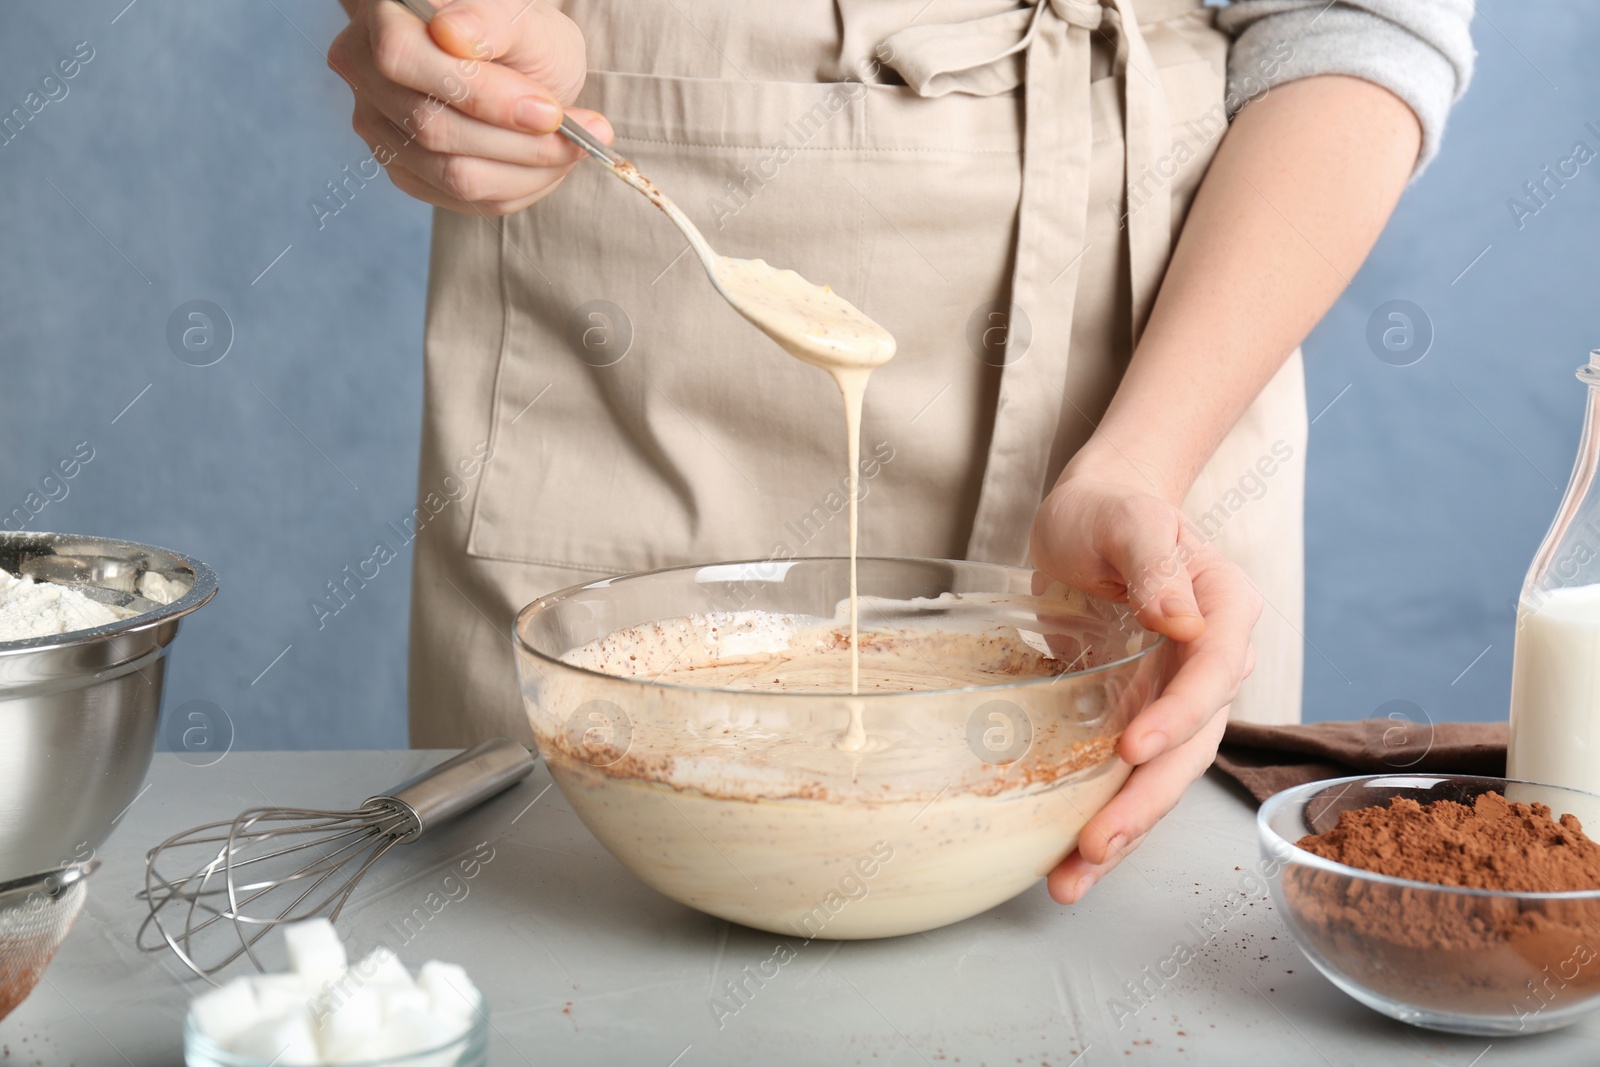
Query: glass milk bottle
x=1555, y=674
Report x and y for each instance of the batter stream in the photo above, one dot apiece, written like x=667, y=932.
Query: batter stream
x=818, y=326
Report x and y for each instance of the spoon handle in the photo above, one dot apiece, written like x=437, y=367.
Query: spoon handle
x=420, y=8
x=589, y=143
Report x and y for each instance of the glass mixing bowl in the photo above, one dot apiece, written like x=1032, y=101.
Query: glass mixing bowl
x=809, y=811
x=1468, y=961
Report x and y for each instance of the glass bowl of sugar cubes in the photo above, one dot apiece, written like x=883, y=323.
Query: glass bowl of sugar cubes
x=323, y=1010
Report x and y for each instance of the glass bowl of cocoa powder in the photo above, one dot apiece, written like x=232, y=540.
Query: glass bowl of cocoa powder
x=1453, y=902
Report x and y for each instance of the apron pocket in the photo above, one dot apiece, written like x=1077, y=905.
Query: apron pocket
x=639, y=422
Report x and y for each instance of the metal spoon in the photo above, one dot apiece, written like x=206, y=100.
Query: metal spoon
x=617, y=165
x=810, y=322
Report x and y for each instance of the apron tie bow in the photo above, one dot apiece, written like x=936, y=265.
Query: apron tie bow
x=1044, y=48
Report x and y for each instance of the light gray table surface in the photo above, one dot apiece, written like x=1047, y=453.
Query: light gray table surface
x=583, y=964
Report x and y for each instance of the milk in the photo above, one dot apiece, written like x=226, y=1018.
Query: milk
x=1555, y=690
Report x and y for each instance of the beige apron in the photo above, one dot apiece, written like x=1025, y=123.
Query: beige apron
x=592, y=407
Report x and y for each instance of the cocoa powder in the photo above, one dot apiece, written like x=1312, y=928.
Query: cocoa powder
x=1494, y=844
x=1476, y=952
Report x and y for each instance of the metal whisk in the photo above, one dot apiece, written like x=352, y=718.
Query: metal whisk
x=302, y=862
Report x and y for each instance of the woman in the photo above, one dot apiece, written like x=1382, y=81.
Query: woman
x=1097, y=296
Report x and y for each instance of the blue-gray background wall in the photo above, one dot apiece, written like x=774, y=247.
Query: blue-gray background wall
x=179, y=165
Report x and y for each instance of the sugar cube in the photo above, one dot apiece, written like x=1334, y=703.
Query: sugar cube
x=382, y=967
x=315, y=951
x=280, y=994
x=348, y=1032
x=224, y=1013
x=451, y=993
x=329, y=995
x=401, y=1002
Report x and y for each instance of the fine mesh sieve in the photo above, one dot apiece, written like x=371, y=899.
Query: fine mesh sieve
x=35, y=915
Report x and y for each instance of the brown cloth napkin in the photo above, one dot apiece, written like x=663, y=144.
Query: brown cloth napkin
x=1266, y=759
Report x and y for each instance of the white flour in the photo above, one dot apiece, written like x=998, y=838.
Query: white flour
x=41, y=609
x=153, y=585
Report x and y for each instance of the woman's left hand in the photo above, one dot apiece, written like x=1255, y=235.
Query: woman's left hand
x=1119, y=541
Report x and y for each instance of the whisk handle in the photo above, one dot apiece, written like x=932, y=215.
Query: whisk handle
x=459, y=784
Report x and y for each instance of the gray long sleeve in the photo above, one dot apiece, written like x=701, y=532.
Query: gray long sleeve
x=1420, y=50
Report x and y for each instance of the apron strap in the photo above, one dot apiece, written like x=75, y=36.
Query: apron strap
x=1045, y=49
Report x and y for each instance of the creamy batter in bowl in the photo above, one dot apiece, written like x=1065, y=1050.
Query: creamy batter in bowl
x=699, y=720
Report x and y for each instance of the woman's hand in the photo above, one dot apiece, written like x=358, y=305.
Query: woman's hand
x=1296, y=195
x=1121, y=542
x=461, y=111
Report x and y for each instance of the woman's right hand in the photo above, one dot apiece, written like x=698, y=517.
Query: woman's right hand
x=461, y=111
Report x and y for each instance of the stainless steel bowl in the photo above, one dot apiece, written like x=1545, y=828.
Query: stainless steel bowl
x=79, y=711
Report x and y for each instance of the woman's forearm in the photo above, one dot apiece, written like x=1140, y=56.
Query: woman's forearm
x=1299, y=190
